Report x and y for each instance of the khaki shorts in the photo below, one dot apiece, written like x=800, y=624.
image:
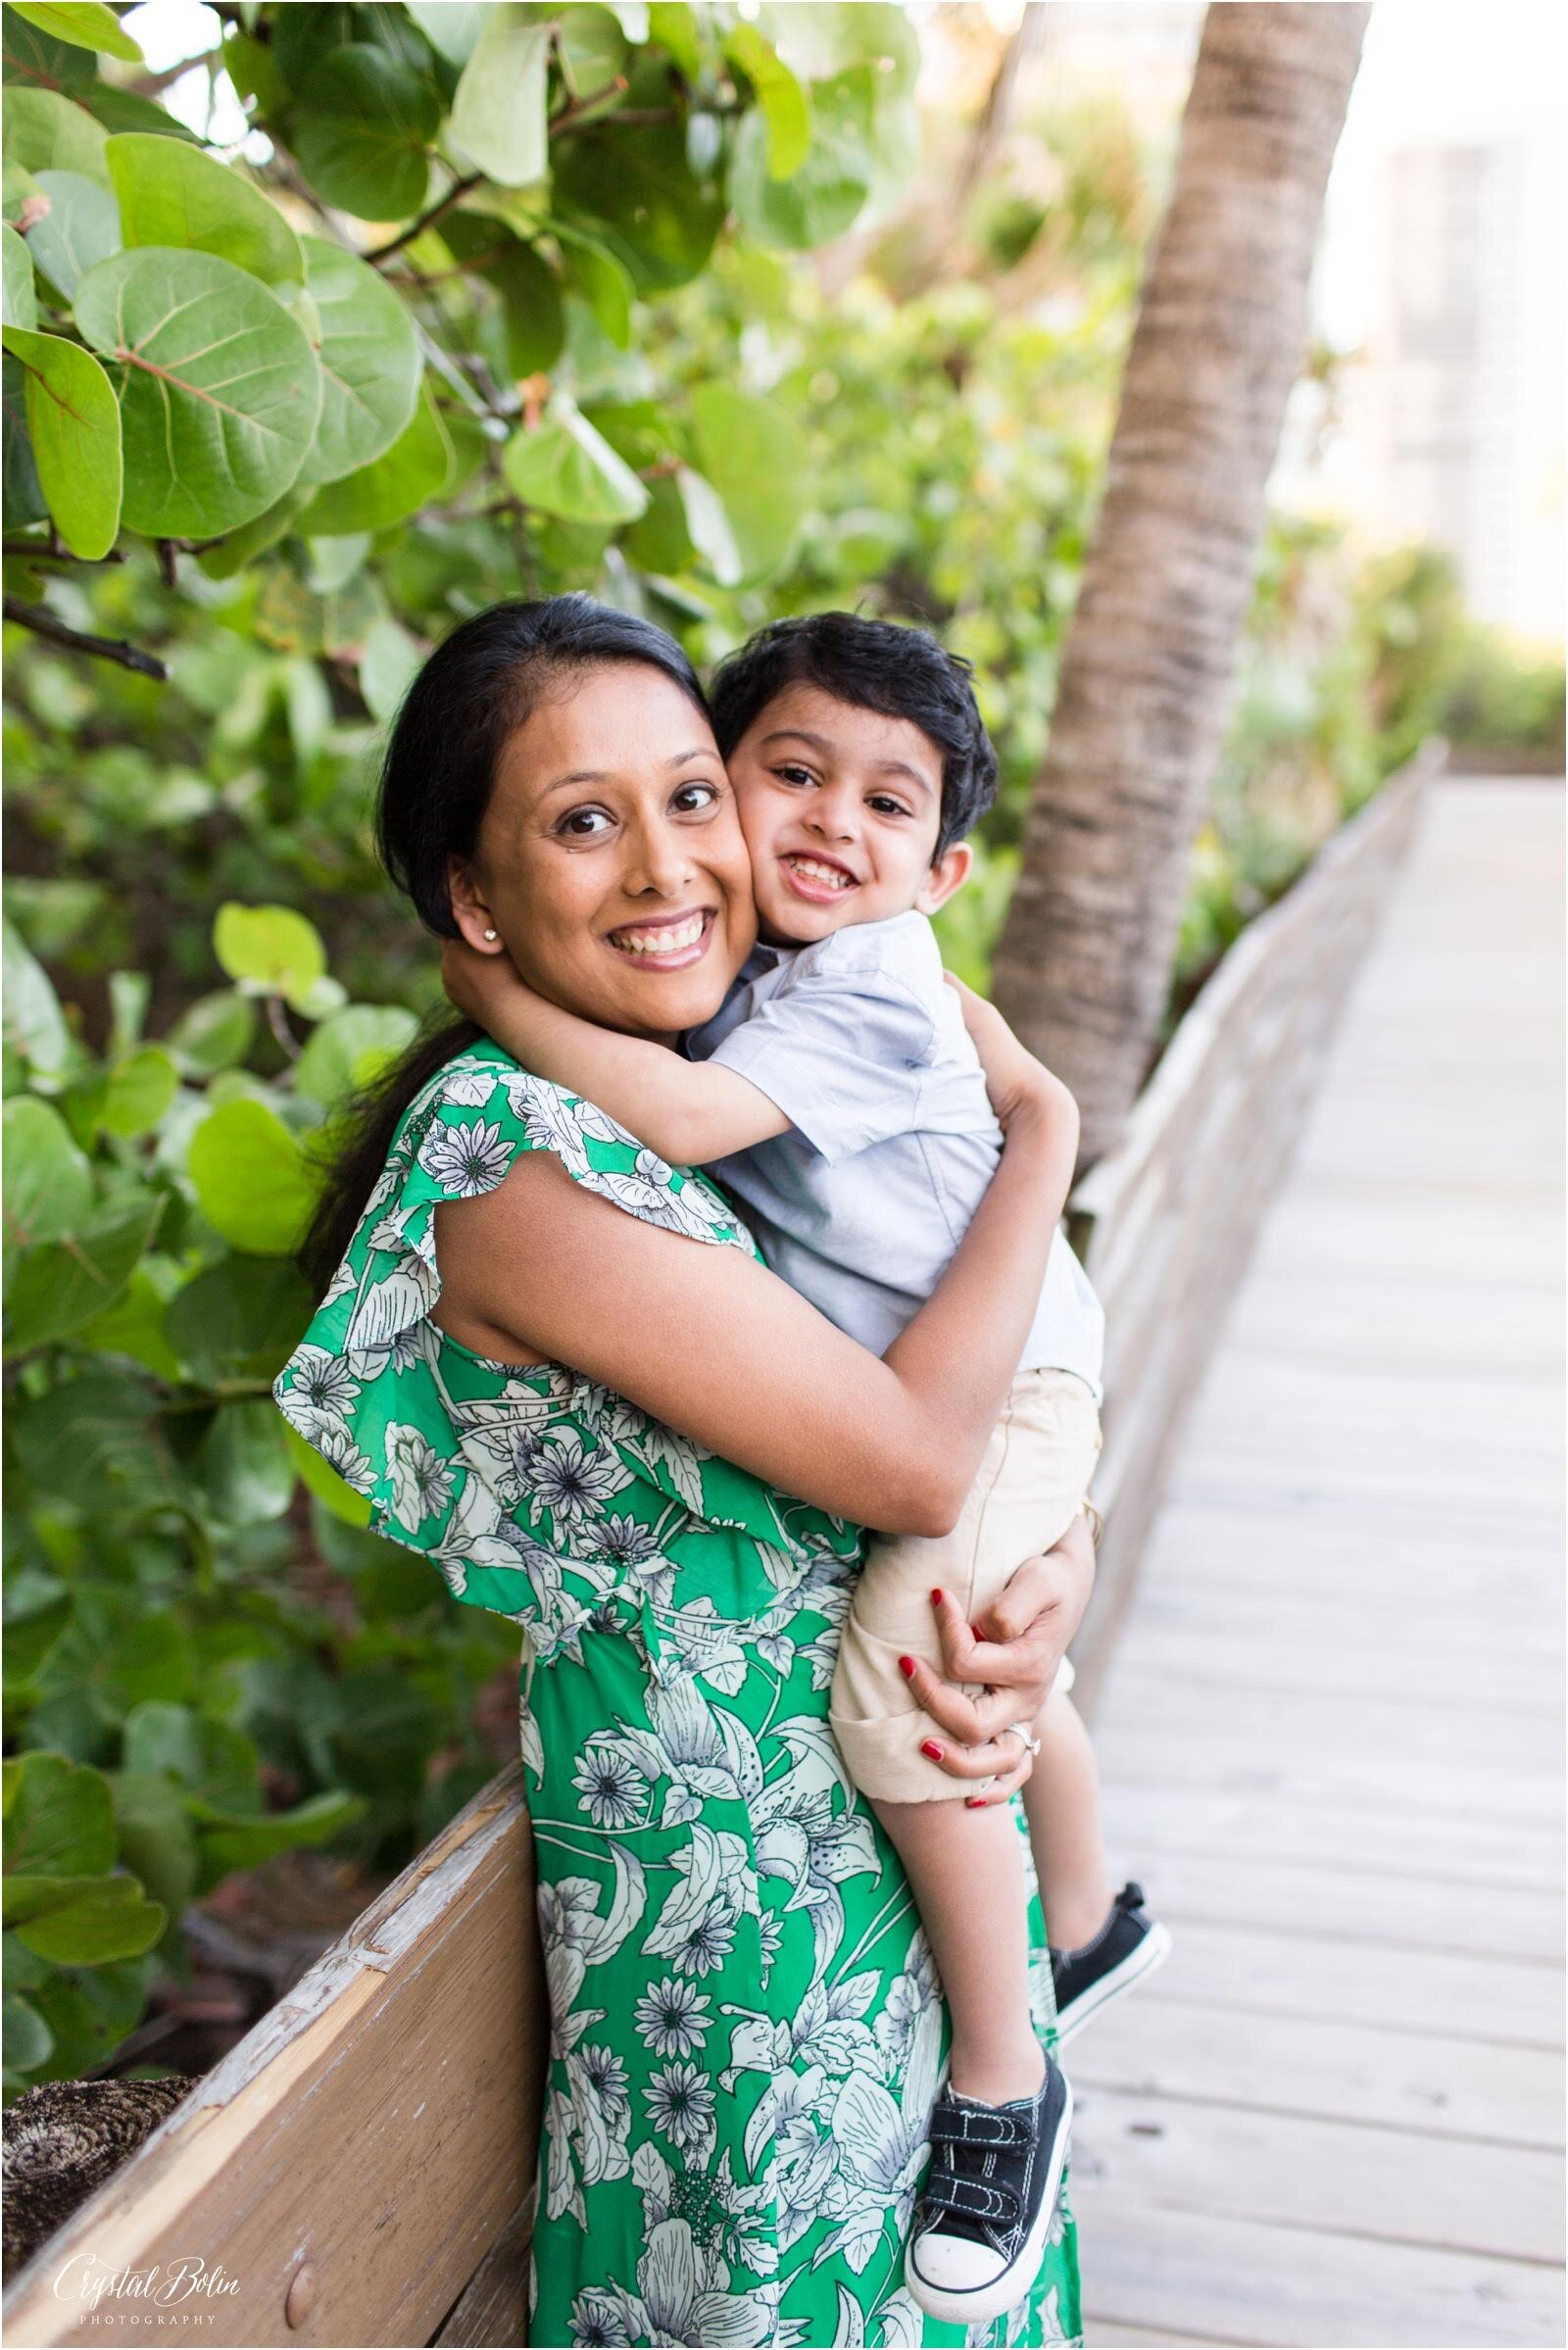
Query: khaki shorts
x=1033, y=1482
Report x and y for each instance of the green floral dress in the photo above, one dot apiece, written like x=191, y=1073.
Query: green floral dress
x=747, y=2031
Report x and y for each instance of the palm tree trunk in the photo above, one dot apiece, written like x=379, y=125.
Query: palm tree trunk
x=1083, y=967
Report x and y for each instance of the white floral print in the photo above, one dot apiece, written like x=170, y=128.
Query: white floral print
x=421, y=1484
x=466, y=1160
x=680, y=2105
x=574, y=1480
x=614, y=1791
x=321, y=1385
x=672, y=2018
x=339, y=1451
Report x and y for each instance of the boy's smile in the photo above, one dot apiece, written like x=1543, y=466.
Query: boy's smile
x=841, y=808
x=817, y=878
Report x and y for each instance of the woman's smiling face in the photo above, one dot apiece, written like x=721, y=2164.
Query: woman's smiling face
x=610, y=861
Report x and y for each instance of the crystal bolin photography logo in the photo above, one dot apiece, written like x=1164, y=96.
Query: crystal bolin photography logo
x=170, y=2292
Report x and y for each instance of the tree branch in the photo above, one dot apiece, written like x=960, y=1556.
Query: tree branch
x=43, y=622
x=576, y=106
x=38, y=550
x=426, y=220
x=566, y=119
x=149, y=85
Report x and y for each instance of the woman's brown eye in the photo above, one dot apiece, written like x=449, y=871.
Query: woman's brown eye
x=694, y=796
x=583, y=821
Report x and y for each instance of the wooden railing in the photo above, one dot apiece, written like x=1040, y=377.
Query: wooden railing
x=360, y=2168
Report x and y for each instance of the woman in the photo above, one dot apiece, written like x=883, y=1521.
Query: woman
x=558, y=1367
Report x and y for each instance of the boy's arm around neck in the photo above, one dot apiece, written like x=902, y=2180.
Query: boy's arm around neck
x=688, y=1112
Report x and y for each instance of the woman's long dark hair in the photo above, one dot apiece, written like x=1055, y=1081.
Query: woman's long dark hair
x=476, y=689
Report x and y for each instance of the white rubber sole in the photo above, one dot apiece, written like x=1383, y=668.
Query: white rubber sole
x=1152, y=1952
x=985, y=2302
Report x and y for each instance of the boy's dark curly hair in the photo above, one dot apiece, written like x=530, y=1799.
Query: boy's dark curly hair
x=876, y=664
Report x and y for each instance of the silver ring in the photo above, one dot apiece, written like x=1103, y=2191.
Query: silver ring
x=1020, y=1730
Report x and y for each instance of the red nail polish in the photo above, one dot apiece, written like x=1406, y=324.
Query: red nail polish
x=974, y=1803
x=936, y=1596
x=978, y=1634
x=930, y=1746
x=907, y=1667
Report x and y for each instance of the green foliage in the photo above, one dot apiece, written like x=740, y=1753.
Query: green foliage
x=1481, y=687
x=254, y=343
x=207, y=1663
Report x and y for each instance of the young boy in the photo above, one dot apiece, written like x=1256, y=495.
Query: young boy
x=837, y=1093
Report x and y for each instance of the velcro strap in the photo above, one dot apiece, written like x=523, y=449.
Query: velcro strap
x=966, y=2127
x=952, y=2190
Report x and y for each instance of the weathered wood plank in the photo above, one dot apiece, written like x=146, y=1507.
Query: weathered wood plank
x=1287, y=1429
x=1286, y=1894
x=1407, y=1744
x=1431, y=1789
x=492, y=2312
x=1424, y=1142
x=1332, y=1979
x=1395, y=1326
x=1291, y=1651
x=1242, y=1826
x=1416, y=1563
x=1438, y=2084
x=1334, y=2176
x=1243, y=2280
x=1130, y=2337
x=1394, y=1232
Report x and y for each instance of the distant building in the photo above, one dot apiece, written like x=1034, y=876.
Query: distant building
x=1440, y=278
x=1464, y=394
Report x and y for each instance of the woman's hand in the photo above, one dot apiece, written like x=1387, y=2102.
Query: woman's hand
x=1023, y=1638
x=1015, y=1080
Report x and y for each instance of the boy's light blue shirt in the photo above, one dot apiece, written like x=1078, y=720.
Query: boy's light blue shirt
x=892, y=1139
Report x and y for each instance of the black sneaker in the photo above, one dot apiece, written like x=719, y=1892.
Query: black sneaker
x=1129, y=1946
x=980, y=2225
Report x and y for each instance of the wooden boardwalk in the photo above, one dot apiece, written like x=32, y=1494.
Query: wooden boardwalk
x=1331, y=1736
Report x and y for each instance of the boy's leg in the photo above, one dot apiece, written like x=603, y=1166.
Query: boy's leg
x=965, y=1867
x=1000, y=2127
x=1061, y=1799
x=966, y=1872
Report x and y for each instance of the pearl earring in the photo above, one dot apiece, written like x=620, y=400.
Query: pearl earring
x=489, y=934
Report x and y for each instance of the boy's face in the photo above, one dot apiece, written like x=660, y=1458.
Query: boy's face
x=840, y=808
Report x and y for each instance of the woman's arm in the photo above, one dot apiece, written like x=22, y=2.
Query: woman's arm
x=710, y=1342
x=688, y=1111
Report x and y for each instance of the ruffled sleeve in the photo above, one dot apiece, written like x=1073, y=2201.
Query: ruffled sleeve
x=440, y=1441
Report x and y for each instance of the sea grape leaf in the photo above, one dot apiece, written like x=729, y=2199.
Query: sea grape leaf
x=219, y=389
x=179, y=196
